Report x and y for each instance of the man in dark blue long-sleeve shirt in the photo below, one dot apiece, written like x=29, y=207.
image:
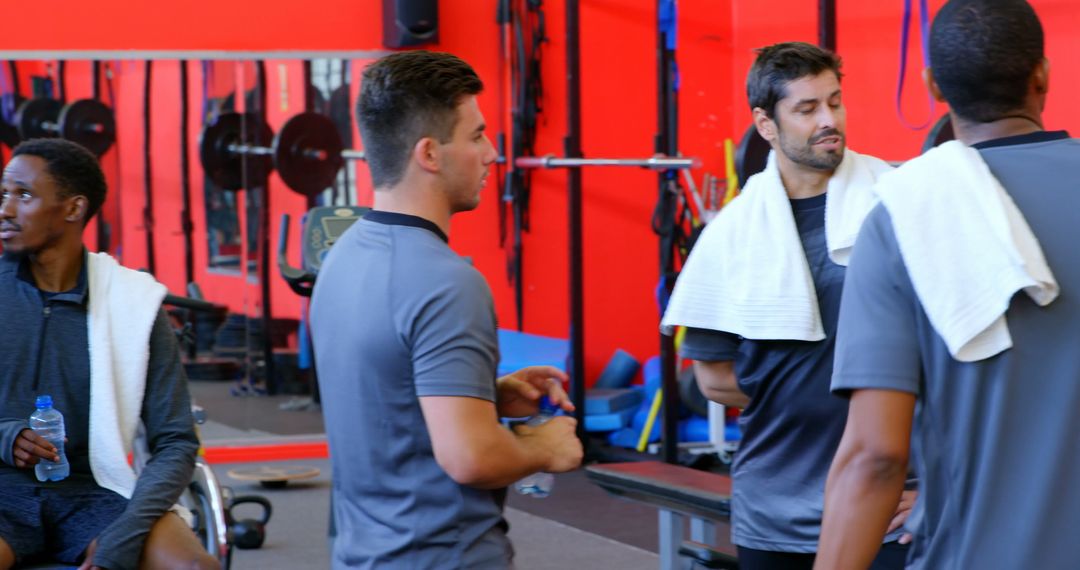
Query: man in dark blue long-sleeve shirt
x=65, y=327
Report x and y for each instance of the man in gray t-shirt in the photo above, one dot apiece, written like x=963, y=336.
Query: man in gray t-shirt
x=406, y=348
x=997, y=441
x=791, y=423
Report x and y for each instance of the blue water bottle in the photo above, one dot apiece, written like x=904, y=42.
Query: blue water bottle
x=538, y=485
x=47, y=422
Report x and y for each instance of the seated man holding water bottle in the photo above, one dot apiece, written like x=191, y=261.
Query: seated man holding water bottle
x=406, y=343
x=85, y=339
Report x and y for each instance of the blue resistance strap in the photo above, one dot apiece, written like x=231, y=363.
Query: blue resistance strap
x=924, y=32
x=667, y=21
x=7, y=96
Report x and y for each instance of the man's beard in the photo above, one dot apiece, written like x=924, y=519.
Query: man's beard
x=806, y=156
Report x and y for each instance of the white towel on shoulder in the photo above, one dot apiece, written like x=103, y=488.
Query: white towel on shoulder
x=123, y=305
x=966, y=246
x=748, y=274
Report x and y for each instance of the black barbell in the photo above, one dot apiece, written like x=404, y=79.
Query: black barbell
x=239, y=150
x=87, y=121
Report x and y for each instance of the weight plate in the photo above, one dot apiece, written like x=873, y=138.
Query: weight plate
x=308, y=153
x=941, y=132
x=32, y=115
x=751, y=156
x=230, y=170
x=90, y=123
x=9, y=133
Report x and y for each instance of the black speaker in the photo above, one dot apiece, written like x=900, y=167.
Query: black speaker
x=410, y=22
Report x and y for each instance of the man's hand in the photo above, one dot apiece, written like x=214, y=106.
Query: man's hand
x=903, y=509
x=88, y=561
x=518, y=394
x=556, y=436
x=30, y=448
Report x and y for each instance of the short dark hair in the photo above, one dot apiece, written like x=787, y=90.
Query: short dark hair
x=74, y=168
x=780, y=64
x=982, y=55
x=405, y=97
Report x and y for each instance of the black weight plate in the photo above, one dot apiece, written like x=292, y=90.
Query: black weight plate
x=296, y=145
x=751, y=155
x=90, y=123
x=32, y=116
x=9, y=133
x=227, y=169
x=942, y=132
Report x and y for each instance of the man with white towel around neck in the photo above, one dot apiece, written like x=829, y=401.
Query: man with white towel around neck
x=960, y=317
x=90, y=333
x=760, y=295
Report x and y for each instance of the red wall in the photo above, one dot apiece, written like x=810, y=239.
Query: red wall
x=716, y=42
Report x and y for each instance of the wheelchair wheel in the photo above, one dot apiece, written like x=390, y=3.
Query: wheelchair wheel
x=205, y=500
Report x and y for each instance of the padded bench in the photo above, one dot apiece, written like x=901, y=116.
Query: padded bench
x=678, y=493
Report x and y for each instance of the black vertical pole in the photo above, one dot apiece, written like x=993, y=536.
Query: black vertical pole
x=667, y=142
x=95, y=81
x=61, y=81
x=264, y=248
x=309, y=106
x=573, y=196
x=103, y=229
x=827, y=24
x=148, y=178
x=186, y=224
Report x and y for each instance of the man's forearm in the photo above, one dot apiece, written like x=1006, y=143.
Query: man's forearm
x=719, y=384
x=159, y=486
x=734, y=398
x=861, y=496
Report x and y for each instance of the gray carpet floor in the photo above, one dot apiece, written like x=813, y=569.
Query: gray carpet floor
x=296, y=533
x=579, y=526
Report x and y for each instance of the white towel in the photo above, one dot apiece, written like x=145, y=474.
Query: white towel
x=123, y=305
x=748, y=274
x=966, y=246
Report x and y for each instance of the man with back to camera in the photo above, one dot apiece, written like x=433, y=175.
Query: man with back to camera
x=760, y=295
x=406, y=347
x=952, y=321
x=90, y=333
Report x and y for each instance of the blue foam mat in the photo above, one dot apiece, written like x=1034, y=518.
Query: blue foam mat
x=518, y=350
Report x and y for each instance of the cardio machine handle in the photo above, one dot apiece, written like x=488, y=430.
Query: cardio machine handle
x=299, y=281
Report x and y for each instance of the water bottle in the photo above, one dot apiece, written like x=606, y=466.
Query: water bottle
x=538, y=485
x=47, y=422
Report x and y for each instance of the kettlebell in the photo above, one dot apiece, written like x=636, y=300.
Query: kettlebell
x=248, y=533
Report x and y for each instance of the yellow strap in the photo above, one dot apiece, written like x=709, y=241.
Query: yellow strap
x=643, y=441
x=732, y=176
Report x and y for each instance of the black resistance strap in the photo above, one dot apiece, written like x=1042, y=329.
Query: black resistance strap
x=525, y=34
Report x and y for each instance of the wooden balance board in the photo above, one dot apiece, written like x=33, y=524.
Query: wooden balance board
x=274, y=476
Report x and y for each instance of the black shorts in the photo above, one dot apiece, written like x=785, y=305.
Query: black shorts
x=56, y=524
x=892, y=556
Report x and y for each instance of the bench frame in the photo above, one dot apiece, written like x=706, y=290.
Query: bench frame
x=679, y=493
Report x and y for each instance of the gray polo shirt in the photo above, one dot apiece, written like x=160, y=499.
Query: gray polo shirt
x=396, y=315
x=998, y=441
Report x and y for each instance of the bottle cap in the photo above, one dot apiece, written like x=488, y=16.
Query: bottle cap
x=546, y=407
x=43, y=401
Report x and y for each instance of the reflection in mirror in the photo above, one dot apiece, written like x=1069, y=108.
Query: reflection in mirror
x=216, y=243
